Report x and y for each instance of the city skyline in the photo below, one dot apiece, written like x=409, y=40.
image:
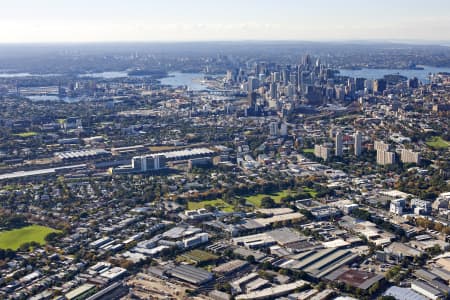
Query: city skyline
x=176, y=20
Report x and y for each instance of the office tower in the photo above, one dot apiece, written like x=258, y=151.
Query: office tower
x=306, y=61
x=359, y=84
x=379, y=85
x=368, y=85
x=253, y=84
x=338, y=144
x=357, y=142
x=276, y=77
x=413, y=83
x=273, y=90
x=293, y=78
x=290, y=90
x=385, y=157
x=273, y=128
x=251, y=100
x=285, y=76
x=409, y=156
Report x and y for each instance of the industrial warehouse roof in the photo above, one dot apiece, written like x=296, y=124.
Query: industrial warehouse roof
x=81, y=153
x=183, y=153
x=190, y=274
x=230, y=266
x=319, y=263
x=403, y=294
x=273, y=291
x=356, y=278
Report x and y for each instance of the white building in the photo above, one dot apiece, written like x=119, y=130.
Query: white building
x=381, y=146
x=322, y=151
x=396, y=206
x=408, y=156
x=385, y=157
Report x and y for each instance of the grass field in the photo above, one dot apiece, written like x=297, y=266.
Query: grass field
x=13, y=239
x=310, y=191
x=219, y=203
x=26, y=134
x=197, y=256
x=256, y=199
x=438, y=143
x=308, y=150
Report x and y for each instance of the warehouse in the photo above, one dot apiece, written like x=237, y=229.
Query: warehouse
x=319, y=263
x=230, y=267
x=426, y=290
x=355, y=278
x=273, y=292
x=81, y=292
x=190, y=274
x=82, y=154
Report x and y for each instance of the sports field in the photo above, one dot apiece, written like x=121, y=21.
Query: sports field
x=255, y=200
x=219, y=203
x=13, y=239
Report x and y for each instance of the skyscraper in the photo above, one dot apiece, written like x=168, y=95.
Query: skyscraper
x=358, y=140
x=338, y=144
x=379, y=85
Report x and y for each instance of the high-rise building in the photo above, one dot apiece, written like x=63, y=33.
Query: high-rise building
x=413, y=83
x=322, y=151
x=273, y=128
x=338, y=144
x=408, y=156
x=273, y=90
x=253, y=84
x=359, y=84
x=379, y=85
x=148, y=163
x=251, y=100
x=385, y=157
x=381, y=146
x=357, y=137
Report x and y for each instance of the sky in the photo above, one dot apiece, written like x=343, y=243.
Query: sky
x=226, y=20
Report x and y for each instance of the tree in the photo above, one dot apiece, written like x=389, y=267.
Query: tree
x=267, y=202
x=251, y=259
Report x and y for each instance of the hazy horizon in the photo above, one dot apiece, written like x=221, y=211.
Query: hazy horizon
x=52, y=21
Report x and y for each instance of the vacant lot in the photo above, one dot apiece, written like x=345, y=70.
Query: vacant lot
x=197, y=256
x=219, y=203
x=438, y=143
x=13, y=239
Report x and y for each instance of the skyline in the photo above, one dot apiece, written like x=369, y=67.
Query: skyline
x=51, y=21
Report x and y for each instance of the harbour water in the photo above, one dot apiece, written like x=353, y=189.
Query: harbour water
x=422, y=75
x=191, y=80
